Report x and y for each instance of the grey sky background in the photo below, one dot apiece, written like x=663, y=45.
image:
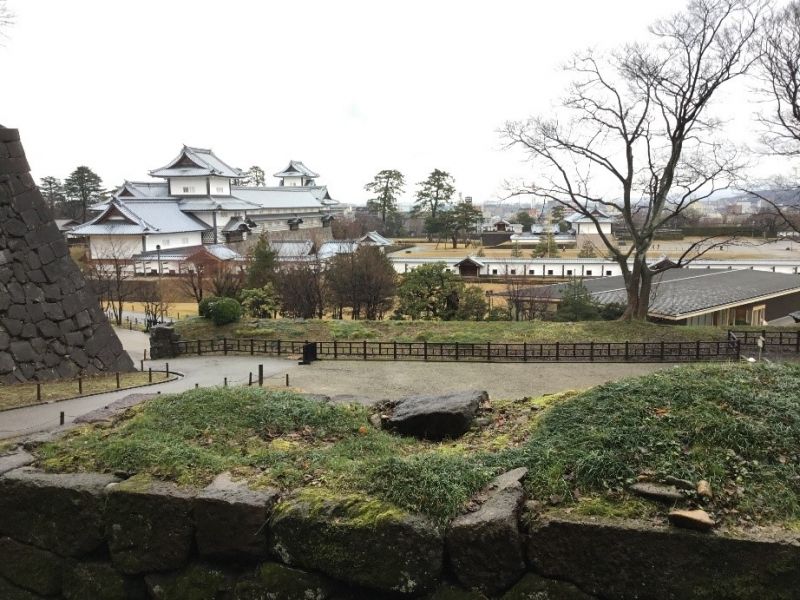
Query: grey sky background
x=348, y=87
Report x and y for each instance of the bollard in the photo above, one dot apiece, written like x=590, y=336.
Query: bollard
x=80, y=384
x=38, y=392
x=117, y=374
x=149, y=374
x=250, y=379
x=166, y=370
x=260, y=375
x=196, y=385
x=225, y=382
x=61, y=418
x=141, y=366
x=287, y=380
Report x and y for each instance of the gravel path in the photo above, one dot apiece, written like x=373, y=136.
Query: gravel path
x=395, y=379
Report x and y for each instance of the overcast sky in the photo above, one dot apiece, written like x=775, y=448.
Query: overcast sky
x=347, y=87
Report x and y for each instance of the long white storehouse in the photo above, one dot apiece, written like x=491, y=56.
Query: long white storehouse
x=573, y=267
x=198, y=203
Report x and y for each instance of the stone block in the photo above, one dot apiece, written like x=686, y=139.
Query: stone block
x=436, y=417
x=361, y=541
x=68, y=516
x=149, y=525
x=30, y=568
x=195, y=582
x=485, y=547
x=231, y=520
x=279, y=582
x=100, y=581
x=630, y=559
x=15, y=460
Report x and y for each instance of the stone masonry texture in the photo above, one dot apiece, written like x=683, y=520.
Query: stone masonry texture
x=51, y=324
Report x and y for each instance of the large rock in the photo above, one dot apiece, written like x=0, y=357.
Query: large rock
x=149, y=525
x=195, y=582
x=15, y=460
x=535, y=587
x=360, y=541
x=436, y=417
x=279, y=582
x=30, y=568
x=69, y=509
x=231, y=520
x=100, y=581
x=485, y=548
x=640, y=560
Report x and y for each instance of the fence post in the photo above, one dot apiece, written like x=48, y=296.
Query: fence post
x=797, y=341
x=225, y=346
x=697, y=350
x=662, y=350
x=365, y=349
x=279, y=347
x=627, y=353
x=456, y=350
x=591, y=350
x=335, y=350
x=425, y=349
x=489, y=351
x=394, y=349
x=557, y=350
x=738, y=349
x=199, y=352
x=252, y=350
x=260, y=375
x=524, y=351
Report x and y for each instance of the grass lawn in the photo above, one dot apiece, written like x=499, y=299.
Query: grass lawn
x=736, y=426
x=24, y=394
x=445, y=331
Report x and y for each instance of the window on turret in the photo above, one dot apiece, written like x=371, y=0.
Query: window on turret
x=188, y=189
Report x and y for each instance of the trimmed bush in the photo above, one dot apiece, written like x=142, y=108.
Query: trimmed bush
x=204, y=304
x=224, y=310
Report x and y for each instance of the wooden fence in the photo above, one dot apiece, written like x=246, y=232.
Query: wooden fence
x=717, y=350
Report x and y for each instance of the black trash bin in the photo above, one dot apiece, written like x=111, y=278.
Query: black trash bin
x=309, y=353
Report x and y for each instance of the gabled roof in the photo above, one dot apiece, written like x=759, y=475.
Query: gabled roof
x=291, y=248
x=470, y=260
x=295, y=169
x=196, y=162
x=376, y=238
x=143, y=216
x=598, y=214
x=279, y=197
x=142, y=189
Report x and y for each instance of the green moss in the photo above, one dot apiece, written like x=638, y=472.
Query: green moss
x=351, y=510
x=624, y=507
x=278, y=582
x=196, y=582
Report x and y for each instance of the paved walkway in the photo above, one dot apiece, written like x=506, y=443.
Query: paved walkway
x=204, y=371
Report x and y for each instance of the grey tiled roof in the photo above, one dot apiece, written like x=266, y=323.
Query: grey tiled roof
x=279, y=197
x=680, y=292
x=295, y=168
x=207, y=163
x=142, y=216
x=220, y=251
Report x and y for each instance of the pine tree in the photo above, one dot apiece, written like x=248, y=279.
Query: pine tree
x=387, y=187
x=82, y=187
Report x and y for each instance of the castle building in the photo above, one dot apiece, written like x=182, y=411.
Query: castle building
x=198, y=202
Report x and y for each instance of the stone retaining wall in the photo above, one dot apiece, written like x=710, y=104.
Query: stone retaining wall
x=51, y=324
x=93, y=536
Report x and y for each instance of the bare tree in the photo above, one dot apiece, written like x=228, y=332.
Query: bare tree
x=635, y=121
x=779, y=74
x=110, y=273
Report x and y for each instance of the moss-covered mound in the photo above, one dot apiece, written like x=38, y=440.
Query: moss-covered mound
x=736, y=426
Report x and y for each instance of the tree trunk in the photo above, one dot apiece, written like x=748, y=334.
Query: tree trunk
x=638, y=283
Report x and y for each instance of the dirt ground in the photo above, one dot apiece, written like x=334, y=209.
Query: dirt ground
x=388, y=380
